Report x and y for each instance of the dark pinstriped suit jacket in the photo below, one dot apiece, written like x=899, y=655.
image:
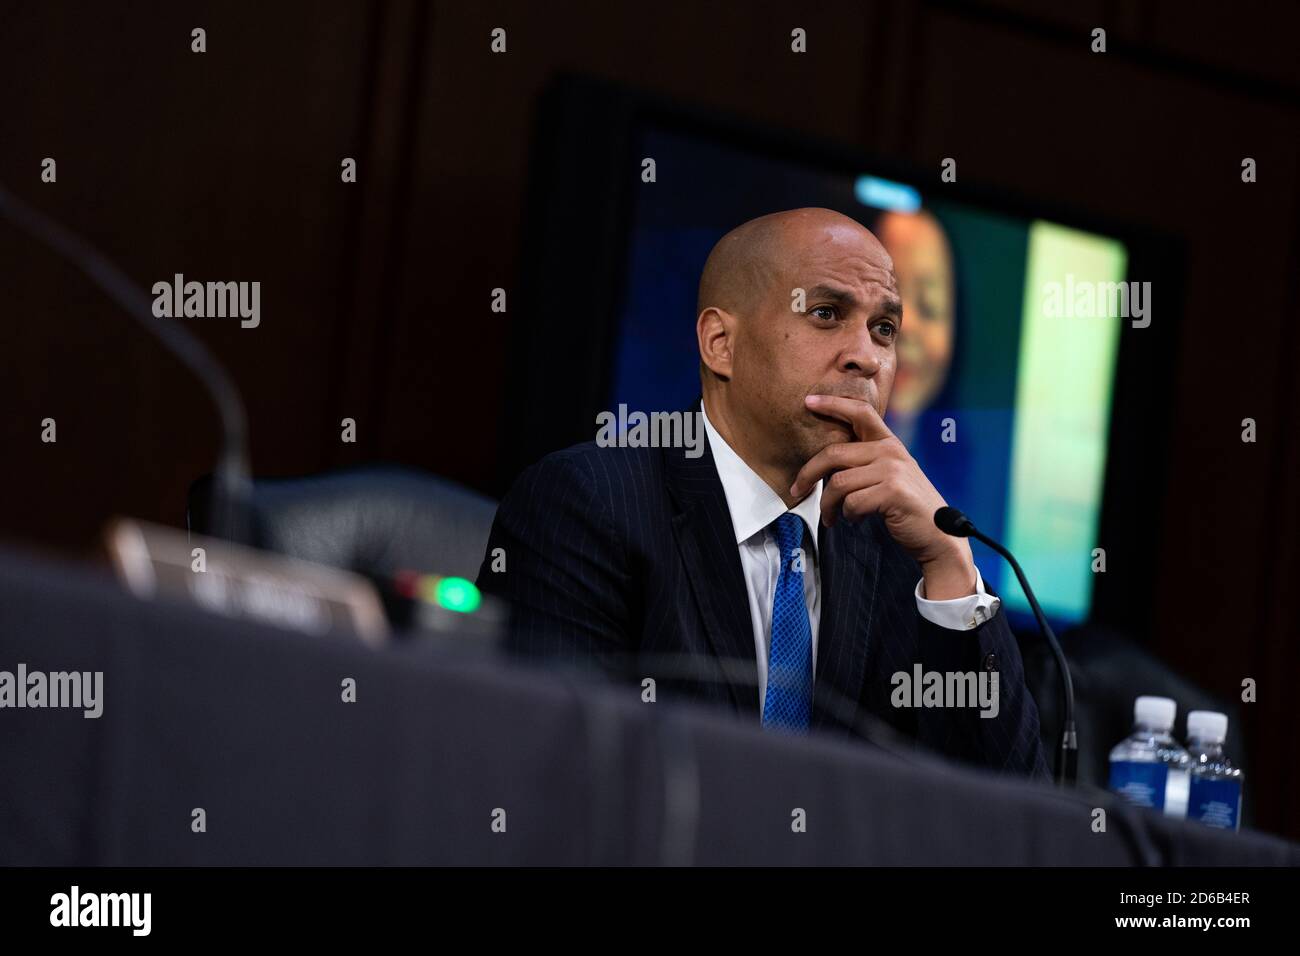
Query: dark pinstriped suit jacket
x=626, y=558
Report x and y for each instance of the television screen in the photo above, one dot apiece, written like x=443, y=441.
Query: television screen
x=1005, y=371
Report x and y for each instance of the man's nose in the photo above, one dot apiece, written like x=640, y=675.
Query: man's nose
x=861, y=354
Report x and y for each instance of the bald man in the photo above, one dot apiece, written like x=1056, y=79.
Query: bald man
x=793, y=572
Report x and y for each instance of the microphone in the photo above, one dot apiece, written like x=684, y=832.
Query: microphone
x=953, y=522
x=232, y=486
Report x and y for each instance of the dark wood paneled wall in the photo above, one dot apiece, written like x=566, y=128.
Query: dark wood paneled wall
x=225, y=165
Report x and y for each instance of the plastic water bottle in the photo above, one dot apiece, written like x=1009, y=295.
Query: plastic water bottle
x=1148, y=768
x=1214, y=797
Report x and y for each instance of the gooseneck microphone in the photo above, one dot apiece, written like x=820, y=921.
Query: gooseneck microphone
x=232, y=485
x=953, y=522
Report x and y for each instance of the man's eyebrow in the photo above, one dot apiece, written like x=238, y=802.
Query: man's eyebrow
x=891, y=308
x=841, y=297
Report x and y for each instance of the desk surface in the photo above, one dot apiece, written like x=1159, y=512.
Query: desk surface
x=248, y=724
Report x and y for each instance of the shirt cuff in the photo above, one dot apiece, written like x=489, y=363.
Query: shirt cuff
x=959, y=614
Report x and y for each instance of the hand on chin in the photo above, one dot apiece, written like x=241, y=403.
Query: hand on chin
x=833, y=429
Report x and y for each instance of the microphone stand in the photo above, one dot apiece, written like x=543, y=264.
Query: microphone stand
x=953, y=522
x=232, y=486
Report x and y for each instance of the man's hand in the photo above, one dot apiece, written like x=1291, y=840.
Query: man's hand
x=876, y=474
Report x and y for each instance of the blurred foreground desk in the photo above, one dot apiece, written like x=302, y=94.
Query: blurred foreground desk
x=248, y=723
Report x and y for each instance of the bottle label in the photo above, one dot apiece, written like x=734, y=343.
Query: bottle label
x=1142, y=784
x=1216, y=803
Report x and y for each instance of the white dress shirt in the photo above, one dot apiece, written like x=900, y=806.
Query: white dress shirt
x=754, y=506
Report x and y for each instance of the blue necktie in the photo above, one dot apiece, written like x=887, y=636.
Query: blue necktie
x=788, y=702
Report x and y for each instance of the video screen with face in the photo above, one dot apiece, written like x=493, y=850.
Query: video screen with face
x=1004, y=404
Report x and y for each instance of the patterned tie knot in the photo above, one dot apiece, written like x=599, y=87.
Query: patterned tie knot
x=788, y=530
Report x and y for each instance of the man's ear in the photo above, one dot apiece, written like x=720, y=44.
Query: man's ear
x=715, y=330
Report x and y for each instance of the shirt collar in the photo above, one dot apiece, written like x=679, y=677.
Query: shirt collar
x=752, y=503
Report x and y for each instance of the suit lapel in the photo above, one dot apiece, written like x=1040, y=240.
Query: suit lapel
x=850, y=571
x=707, y=543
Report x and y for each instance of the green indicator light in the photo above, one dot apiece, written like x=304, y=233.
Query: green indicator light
x=458, y=594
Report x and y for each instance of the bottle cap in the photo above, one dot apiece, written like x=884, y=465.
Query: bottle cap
x=1155, y=712
x=1207, y=725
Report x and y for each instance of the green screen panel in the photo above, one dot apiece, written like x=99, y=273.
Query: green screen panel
x=1063, y=399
